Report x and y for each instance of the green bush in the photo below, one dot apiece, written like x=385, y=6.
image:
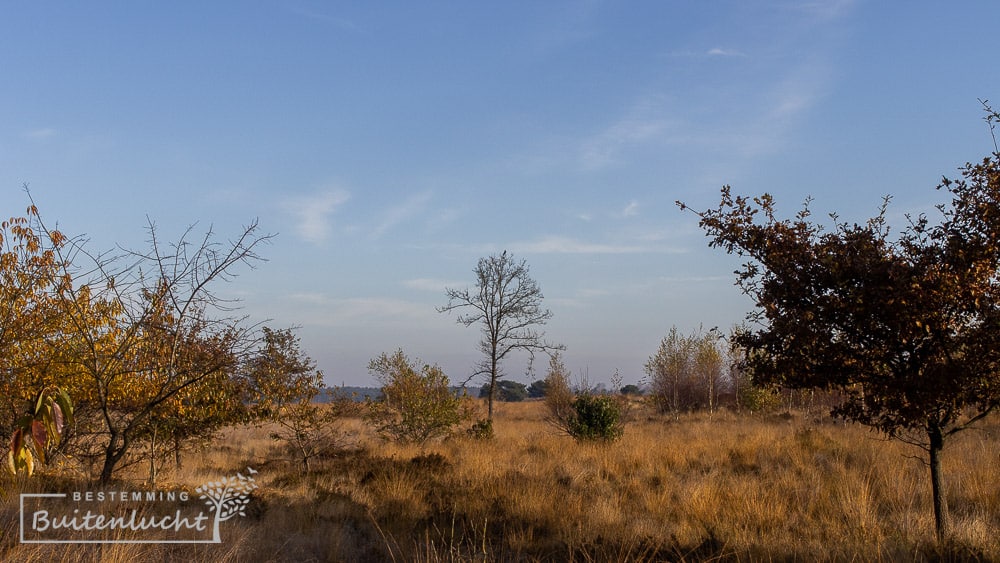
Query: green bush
x=756, y=399
x=417, y=404
x=597, y=417
x=481, y=429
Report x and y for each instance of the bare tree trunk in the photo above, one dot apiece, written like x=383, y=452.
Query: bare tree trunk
x=942, y=519
x=305, y=453
x=177, y=452
x=152, y=457
x=113, y=453
x=493, y=385
x=711, y=392
x=675, y=404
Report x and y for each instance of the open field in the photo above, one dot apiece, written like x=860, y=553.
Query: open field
x=722, y=487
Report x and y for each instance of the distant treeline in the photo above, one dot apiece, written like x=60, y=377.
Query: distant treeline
x=359, y=394
x=356, y=393
x=507, y=391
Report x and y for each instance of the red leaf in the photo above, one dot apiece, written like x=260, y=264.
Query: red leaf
x=39, y=434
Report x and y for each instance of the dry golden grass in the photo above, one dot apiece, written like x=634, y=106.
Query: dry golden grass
x=724, y=487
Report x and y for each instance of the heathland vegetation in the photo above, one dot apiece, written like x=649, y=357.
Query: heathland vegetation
x=128, y=370
x=691, y=487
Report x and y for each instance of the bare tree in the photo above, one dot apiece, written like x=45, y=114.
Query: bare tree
x=507, y=302
x=145, y=327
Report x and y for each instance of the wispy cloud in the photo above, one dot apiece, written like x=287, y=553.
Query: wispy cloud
x=798, y=92
x=556, y=244
x=705, y=53
x=313, y=213
x=641, y=124
x=769, y=120
x=566, y=245
x=358, y=310
x=337, y=22
x=788, y=101
x=581, y=298
x=630, y=210
x=41, y=133
x=311, y=298
x=720, y=52
x=393, y=216
x=431, y=284
x=694, y=279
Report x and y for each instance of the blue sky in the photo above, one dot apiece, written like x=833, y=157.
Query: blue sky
x=391, y=145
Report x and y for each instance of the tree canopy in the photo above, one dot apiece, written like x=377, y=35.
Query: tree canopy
x=507, y=302
x=907, y=327
x=138, y=338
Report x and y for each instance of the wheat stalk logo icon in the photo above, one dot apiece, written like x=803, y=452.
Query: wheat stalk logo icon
x=228, y=497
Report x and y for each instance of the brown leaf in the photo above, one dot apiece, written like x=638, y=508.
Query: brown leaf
x=39, y=434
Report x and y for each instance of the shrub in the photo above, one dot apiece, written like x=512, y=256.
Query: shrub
x=756, y=399
x=481, y=429
x=308, y=431
x=597, y=417
x=416, y=406
x=558, y=395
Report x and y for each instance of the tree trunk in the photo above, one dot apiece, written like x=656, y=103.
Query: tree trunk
x=941, y=518
x=113, y=453
x=711, y=394
x=177, y=452
x=493, y=384
x=305, y=460
x=152, y=458
x=675, y=404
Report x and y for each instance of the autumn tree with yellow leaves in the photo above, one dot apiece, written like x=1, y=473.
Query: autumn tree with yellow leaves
x=34, y=412
x=29, y=267
x=136, y=336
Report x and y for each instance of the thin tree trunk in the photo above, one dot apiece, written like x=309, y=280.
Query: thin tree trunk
x=177, y=452
x=711, y=394
x=113, y=453
x=493, y=384
x=676, y=404
x=942, y=520
x=305, y=459
x=152, y=457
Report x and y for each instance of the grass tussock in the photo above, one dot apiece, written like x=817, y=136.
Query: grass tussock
x=698, y=488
